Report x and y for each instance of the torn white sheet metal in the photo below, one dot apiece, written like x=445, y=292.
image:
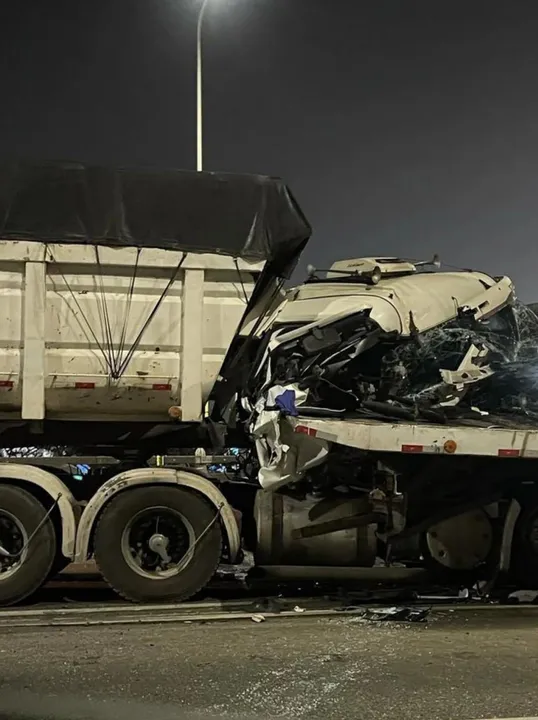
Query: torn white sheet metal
x=491, y=300
x=284, y=456
x=471, y=370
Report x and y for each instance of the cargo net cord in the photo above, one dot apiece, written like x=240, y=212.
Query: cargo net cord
x=245, y=296
x=5, y=553
x=115, y=362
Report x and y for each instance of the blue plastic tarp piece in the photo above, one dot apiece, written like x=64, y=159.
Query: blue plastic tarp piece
x=286, y=403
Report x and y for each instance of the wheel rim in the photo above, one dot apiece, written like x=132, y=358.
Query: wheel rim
x=13, y=538
x=156, y=543
x=462, y=542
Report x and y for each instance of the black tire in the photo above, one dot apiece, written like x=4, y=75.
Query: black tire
x=187, y=582
x=524, y=563
x=59, y=565
x=35, y=569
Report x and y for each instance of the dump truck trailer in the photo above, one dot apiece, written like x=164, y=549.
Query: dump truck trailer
x=148, y=346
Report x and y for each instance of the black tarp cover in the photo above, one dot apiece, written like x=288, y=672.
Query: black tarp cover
x=245, y=216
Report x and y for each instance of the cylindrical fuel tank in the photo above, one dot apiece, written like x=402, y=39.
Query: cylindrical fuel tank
x=277, y=516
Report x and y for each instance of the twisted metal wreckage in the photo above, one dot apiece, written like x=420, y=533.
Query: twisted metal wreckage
x=386, y=339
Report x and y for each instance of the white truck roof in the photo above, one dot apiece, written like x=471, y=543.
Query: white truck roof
x=398, y=303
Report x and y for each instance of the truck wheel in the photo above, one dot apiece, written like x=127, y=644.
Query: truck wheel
x=525, y=544
x=20, y=515
x=456, y=548
x=144, y=544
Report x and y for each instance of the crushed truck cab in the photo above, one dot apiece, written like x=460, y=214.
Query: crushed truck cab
x=380, y=331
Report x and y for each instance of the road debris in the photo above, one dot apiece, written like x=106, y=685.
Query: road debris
x=528, y=597
x=394, y=614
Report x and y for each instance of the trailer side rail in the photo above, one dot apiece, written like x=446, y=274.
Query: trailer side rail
x=414, y=438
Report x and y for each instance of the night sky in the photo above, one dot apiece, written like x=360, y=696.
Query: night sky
x=403, y=126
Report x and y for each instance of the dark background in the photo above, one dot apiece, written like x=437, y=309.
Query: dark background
x=402, y=126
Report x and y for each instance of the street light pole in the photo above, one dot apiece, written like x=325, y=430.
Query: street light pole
x=199, y=129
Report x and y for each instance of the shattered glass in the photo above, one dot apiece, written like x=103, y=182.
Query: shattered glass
x=513, y=389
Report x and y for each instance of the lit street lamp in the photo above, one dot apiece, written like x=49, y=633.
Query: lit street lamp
x=199, y=162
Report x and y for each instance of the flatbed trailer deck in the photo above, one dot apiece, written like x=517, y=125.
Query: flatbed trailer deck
x=418, y=438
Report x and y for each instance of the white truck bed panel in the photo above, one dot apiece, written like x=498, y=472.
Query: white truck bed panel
x=416, y=438
x=67, y=312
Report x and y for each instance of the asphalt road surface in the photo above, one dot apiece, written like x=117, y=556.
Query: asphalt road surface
x=459, y=665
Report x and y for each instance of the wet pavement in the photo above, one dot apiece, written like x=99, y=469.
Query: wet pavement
x=463, y=663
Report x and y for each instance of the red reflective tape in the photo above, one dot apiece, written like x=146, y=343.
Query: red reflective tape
x=509, y=452
x=84, y=386
x=161, y=386
x=412, y=448
x=8, y=384
x=304, y=430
